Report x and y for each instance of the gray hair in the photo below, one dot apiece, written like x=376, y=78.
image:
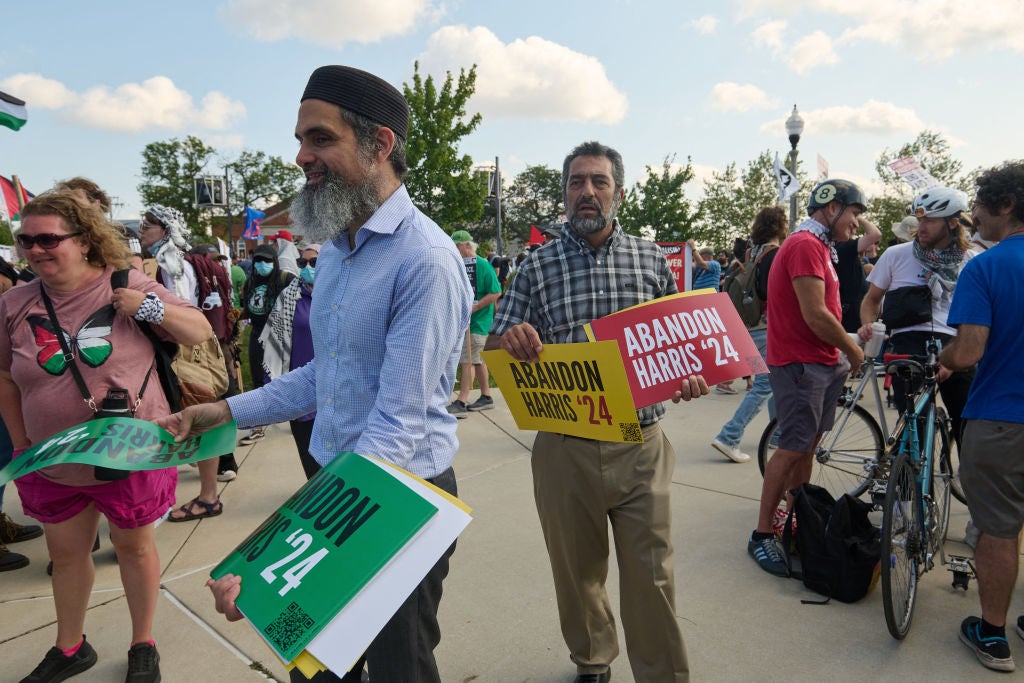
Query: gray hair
x=596, y=149
x=364, y=130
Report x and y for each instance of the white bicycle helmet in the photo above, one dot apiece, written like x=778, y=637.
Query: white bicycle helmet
x=939, y=202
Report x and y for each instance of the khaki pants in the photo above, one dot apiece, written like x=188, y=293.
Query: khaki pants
x=579, y=485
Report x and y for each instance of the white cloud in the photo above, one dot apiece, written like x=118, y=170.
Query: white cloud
x=872, y=117
x=37, y=91
x=814, y=49
x=527, y=78
x=769, y=35
x=705, y=24
x=156, y=103
x=930, y=30
x=811, y=51
x=730, y=96
x=329, y=23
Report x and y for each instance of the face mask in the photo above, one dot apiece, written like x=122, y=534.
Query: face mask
x=263, y=268
x=156, y=247
x=308, y=274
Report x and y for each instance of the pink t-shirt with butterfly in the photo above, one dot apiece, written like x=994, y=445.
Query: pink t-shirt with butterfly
x=111, y=351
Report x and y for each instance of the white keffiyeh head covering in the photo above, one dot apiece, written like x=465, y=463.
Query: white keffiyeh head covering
x=171, y=254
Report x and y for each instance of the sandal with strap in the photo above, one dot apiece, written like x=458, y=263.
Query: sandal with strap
x=190, y=514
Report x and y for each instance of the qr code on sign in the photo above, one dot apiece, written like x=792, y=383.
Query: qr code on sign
x=631, y=432
x=289, y=626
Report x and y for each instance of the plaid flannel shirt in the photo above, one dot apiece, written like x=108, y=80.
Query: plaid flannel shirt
x=566, y=284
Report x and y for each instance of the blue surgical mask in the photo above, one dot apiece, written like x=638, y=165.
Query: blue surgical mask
x=308, y=274
x=156, y=247
x=263, y=268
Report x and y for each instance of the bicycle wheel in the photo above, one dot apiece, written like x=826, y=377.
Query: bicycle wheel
x=901, y=546
x=942, y=486
x=846, y=465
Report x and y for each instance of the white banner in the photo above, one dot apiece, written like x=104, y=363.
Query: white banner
x=785, y=181
x=822, y=168
x=913, y=173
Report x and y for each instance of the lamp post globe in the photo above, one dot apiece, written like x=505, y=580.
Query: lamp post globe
x=794, y=128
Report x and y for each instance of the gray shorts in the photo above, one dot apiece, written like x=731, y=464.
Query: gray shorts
x=992, y=474
x=805, y=401
x=476, y=344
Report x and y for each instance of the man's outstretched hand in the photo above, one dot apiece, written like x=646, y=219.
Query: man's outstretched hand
x=196, y=419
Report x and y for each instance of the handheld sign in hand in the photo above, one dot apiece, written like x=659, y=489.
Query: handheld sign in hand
x=668, y=339
x=577, y=389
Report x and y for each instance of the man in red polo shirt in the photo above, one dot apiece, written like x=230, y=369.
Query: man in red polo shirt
x=805, y=335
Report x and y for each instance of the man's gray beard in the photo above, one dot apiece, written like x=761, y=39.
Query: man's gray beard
x=588, y=226
x=325, y=210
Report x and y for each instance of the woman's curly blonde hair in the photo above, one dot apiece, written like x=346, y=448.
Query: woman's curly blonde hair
x=106, y=244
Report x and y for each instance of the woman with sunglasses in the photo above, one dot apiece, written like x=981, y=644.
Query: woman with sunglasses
x=288, y=343
x=264, y=285
x=75, y=251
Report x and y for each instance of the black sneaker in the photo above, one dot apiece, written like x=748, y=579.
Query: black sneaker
x=143, y=664
x=482, y=403
x=768, y=556
x=1020, y=626
x=227, y=468
x=993, y=652
x=12, y=532
x=458, y=409
x=56, y=667
x=10, y=561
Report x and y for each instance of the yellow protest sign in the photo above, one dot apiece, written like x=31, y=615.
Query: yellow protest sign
x=575, y=389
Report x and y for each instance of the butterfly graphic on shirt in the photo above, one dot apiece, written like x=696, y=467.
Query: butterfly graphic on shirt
x=90, y=343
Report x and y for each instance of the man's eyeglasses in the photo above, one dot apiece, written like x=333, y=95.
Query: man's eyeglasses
x=306, y=262
x=262, y=259
x=46, y=240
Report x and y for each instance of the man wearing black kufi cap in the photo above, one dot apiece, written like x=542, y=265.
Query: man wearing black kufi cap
x=392, y=301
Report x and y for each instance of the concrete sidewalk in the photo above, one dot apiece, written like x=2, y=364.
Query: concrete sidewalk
x=498, y=617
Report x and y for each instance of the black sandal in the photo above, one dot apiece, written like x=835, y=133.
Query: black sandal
x=207, y=510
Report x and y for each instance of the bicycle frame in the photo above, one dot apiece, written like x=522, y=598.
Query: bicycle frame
x=923, y=460
x=852, y=396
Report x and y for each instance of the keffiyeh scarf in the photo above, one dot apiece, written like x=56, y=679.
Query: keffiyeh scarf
x=822, y=233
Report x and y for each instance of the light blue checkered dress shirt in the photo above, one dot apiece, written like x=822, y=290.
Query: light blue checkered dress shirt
x=388, y=319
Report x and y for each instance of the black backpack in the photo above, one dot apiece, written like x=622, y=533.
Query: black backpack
x=838, y=546
x=748, y=289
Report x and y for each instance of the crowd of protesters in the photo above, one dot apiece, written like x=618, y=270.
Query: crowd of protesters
x=425, y=307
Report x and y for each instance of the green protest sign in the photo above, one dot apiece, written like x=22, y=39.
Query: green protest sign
x=121, y=443
x=311, y=557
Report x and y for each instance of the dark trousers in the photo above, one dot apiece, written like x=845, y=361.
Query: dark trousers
x=403, y=652
x=302, y=432
x=953, y=391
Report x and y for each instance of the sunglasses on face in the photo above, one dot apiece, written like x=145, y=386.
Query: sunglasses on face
x=47, y=240
x=306, y=262
x=262, y=259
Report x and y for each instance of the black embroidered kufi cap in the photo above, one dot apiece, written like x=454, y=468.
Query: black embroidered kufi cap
x=362, y=93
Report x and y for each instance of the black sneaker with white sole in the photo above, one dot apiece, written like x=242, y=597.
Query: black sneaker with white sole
x=482, y=403
x=992, y=651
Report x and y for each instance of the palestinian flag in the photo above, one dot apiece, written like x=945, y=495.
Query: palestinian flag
x=13, y=113
x=14, y=196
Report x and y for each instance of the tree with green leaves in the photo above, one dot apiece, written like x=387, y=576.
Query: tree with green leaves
x=440, y=180
x=168, y=172
x=258, y=179
x=6, y=236
x=931, y=149
x=533, y=198
x=732, y=199
x=657, y=208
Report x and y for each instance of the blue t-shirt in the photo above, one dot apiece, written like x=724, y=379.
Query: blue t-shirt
x=989, y=292
x=709, y=277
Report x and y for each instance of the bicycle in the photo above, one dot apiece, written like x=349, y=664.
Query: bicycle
x=851, y=457
x=847, y=458
x=915, y=514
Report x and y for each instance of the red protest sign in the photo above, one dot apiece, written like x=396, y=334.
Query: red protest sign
x=678, y=262
x=668, y=339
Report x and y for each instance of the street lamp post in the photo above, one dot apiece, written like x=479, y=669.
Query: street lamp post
x=794, y=127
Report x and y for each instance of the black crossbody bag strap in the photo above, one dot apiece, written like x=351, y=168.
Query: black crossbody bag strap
x=69, y=358
x=162, y=359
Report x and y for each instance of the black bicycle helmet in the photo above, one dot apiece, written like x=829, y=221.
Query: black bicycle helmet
x=835, y=190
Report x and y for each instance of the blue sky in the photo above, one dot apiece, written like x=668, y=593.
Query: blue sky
x=713, y=81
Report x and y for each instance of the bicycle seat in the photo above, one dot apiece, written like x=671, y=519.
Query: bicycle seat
x=910, y=371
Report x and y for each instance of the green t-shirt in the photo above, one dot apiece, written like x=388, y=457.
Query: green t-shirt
x=486, y=283
x=237, y=284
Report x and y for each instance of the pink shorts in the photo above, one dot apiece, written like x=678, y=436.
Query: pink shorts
x=139, y=500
